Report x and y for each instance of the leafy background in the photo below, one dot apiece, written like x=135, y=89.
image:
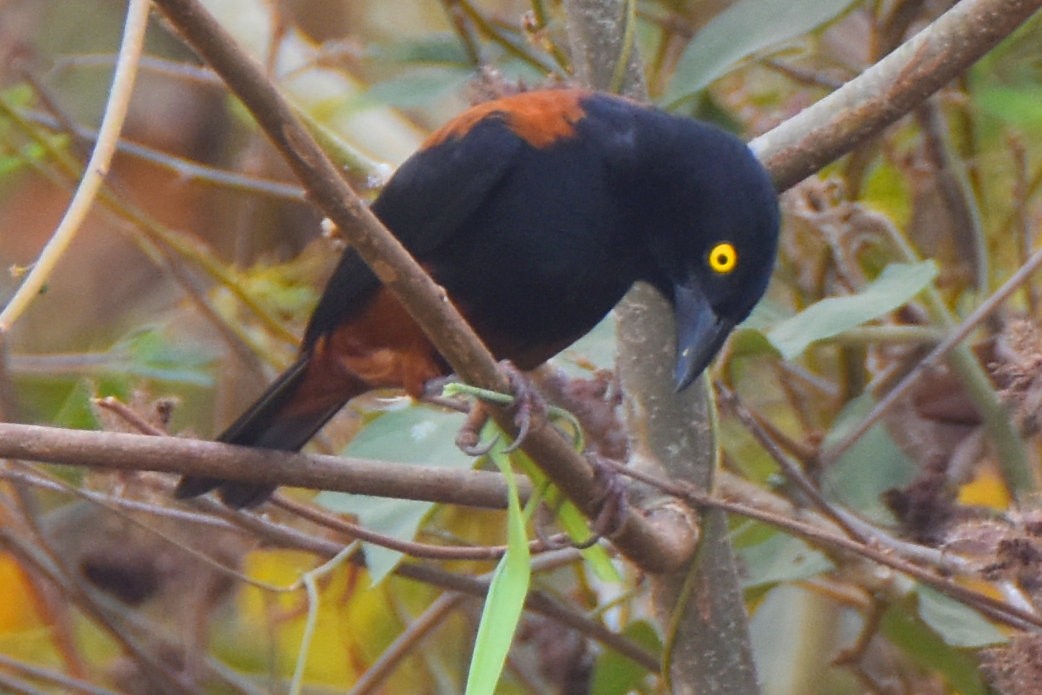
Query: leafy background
x=185, y=310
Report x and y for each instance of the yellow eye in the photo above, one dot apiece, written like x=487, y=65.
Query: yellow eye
x=723, y=258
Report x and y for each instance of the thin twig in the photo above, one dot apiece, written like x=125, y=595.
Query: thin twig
x=46, y=675
x=186, y=169
x=792, y=470
x=517, y=48
x=155, y=233
x=997, y=610
x=417, y=629
x=932, y=360
x=537, y=601
x=98, y=166
x=92, y=604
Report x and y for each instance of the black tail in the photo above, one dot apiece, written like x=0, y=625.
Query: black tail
x=285, y=417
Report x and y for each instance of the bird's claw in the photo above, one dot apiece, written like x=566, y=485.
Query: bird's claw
x=529, y=406
x=468, y=439
x=472, y=446
x=530, y=411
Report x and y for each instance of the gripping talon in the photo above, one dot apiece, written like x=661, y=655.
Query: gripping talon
x=468, y=439
x=475, y=449
x=522, y=432
x=529, y=406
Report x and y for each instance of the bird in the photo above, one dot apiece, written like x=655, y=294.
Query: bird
x=536, y=212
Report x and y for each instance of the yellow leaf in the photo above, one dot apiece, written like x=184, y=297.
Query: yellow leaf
x=18, y=609
x=988, y=489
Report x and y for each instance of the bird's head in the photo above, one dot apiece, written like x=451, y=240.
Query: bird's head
x=713, y=235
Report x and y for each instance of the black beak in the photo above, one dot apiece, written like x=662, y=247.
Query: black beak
x=700, y=333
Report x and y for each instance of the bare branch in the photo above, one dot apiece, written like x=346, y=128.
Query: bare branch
x=120, y=451
x=889, y=89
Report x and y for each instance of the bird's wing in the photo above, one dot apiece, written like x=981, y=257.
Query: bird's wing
x=427, y=200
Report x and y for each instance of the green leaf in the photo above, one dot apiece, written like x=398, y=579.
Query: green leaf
x=871, y=466
x=902, y=627
x=744, y=28
x=779, y=558
x=414, y=434
x=152, y=354
x=30, y=152
x=746, y=342
x=417, y=87
x=75, y=411
x=895, y=286
x=428, y=49
x=568, y=516
x=955, y=623
x=1019, y=105
x=613, y=673
x=506, y=593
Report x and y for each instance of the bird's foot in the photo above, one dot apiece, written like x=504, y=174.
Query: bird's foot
x=529, y=406
x=468, y=439
x=530, y=412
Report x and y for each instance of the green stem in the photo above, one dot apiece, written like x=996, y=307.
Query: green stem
x=1013, y=456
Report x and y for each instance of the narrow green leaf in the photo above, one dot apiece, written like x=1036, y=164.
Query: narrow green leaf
x=744, y=28
x=153, y=354
x=572, y=521
x=506, y=594
x=429, y=49
x=418, y=87
x=895, y=286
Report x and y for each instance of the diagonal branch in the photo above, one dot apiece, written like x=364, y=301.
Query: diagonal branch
x=889, y=89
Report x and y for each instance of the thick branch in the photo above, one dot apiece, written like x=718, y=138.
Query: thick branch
x=700, y=607
x=889, y=89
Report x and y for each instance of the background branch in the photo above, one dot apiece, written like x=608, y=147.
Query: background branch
x=799, y=571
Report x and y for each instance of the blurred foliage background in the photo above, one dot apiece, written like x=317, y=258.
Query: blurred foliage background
x=184, y=294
